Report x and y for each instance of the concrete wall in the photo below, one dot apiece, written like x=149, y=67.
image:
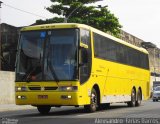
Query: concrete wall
x=7, y=87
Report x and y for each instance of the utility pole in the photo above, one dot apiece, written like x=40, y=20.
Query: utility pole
x=0, y=38
x=66, y=18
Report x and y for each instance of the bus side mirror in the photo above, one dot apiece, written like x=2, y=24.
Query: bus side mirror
x=82, y=45
x=83, y=54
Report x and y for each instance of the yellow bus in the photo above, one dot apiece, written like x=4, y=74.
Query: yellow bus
x=70, y=64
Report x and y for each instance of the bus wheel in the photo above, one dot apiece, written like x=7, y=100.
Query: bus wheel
x=44, y=109
x=132, y=103
x=93, y=102
x=139, y=98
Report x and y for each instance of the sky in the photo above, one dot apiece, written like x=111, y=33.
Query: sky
x=140, y=18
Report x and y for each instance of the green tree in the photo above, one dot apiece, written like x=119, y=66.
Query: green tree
x=78, y=11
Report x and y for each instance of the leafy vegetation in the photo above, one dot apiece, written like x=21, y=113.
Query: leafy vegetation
x=79, y=11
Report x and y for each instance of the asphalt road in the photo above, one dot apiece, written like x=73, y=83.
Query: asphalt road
x=148, y=112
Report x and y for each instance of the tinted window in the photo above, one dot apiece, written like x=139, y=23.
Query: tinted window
x=47, y=55
x=85, y=69
x=108, y=49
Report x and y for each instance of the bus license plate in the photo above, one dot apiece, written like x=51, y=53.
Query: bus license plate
x=42, y=96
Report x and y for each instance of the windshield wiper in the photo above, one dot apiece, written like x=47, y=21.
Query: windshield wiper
x=53, y=71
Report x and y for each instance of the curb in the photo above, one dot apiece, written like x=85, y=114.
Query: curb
x=13, y=107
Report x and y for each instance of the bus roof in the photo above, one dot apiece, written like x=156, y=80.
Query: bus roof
x=76, y=25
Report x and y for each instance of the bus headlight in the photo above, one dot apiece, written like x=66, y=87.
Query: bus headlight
x=19, y=89
x=68, y=88
x=21, y=97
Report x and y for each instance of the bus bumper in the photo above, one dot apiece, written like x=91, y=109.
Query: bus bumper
x=49, y=98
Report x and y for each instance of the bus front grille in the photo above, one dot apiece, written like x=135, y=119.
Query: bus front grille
x=50, y=88
x=34, y=88
x=42, y=88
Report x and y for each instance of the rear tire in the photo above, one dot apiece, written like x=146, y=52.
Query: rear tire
x=44, y=109
x=139, y=98
x=132, y=103
x=92, y=107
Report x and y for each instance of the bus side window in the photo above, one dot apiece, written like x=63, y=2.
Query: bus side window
x=86, y=57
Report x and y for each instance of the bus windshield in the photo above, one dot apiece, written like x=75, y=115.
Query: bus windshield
x=47, y=55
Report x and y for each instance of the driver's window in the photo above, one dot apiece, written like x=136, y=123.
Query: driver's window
x=85, y=68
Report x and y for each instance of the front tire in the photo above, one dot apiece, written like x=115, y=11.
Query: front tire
x=132, y=103
x=44, y=109
x=92, y=107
